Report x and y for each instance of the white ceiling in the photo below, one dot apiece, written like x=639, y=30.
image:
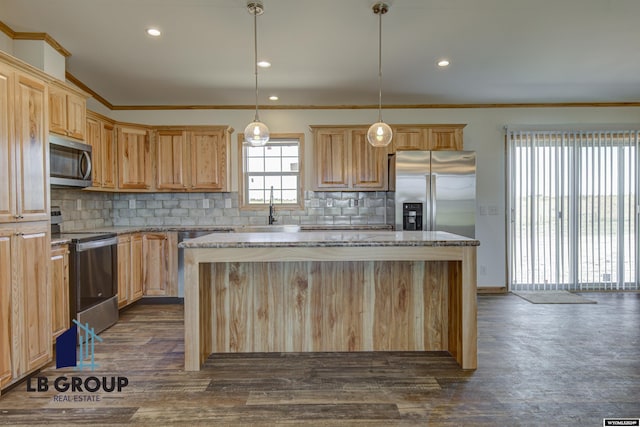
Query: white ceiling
x=325, y=52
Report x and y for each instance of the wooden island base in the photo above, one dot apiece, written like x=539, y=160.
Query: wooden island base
x=284, y=299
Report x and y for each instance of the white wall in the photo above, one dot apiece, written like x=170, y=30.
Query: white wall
x=6, y=43
x=484, y=133
x=41, y=55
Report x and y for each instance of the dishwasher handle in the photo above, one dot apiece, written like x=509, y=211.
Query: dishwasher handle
x=85, y=246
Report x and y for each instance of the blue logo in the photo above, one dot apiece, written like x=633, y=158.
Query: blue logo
x=69, y=354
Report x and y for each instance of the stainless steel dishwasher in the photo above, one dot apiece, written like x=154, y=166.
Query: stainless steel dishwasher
x=185, y=235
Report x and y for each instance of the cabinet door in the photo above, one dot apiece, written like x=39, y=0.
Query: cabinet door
x=171, y=148
x=209, y=160
x=108, y=153
x=137, y=268
x=330, y=159
x=368, y=163
x=155, y=264
x=76, y=116
x=32, y=149
x=5, y=306
x=409, y=138
x=134, y=163
x=445, y=138
x=7, y=160
x=33, y=298
x=124, y=270
x=59, y=290
x=57, y=111
x=94, y=128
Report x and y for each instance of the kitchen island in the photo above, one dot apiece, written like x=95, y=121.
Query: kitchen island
x=332, y=291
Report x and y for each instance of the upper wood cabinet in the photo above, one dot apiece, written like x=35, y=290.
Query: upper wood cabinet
x=193, y=158
x=330, y=160
x=67, y=113
x=24, y=149
x=409, y=138
x=446, y=138
x=100, y=135
x=7, y=151
x=171, y=160
x=134, y=160
x=427, y=137
x=345, y=161
x=368, y=164
x=59, y=290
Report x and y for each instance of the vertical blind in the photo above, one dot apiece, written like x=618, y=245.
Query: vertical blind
x=573, y=209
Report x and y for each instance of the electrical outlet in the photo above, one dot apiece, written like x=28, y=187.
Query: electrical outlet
x=205, y=203
x=329, y=203
x=483, y=270
x=227, y=203
x=132, y=204
x=79, y=204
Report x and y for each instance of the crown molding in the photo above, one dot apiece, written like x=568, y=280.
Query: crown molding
x=16, y=35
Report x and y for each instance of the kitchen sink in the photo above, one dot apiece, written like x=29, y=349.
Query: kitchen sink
x=268, y=229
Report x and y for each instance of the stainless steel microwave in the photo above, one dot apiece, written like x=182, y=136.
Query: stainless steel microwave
x=69, y=162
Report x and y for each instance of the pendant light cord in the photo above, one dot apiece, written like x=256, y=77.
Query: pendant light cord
x=380, y=13
x=255, y=55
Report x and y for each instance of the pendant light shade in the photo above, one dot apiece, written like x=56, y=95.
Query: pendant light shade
x=380, y=133
x=256, y=133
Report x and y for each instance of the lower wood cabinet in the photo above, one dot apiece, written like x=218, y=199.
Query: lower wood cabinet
x=59, y=290
x=129, y=268
x=137, y=267
x=6, y=305
x=25, y=299
x=124, y=269
x=147, y=266
x=160, y=264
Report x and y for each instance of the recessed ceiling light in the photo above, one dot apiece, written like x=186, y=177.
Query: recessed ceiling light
x=264, y=64
x=154, y=32
x=443, y=63
x=273, y=98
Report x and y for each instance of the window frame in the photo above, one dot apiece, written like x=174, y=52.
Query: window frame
x=242, y=174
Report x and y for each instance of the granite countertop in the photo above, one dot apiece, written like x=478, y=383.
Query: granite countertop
x=329, y=238
x=127, y=229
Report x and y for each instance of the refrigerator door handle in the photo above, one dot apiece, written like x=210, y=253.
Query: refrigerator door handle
x=432, y=202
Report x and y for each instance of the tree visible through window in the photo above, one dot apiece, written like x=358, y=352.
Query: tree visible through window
x=275, y=167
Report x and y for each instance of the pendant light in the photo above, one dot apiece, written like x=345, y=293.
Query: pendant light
x=256, y=133
x=380, y=133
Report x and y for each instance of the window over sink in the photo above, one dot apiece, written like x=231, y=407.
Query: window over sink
x=277, y=165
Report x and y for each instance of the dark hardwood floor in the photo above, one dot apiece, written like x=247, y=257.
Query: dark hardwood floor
x=539, y=365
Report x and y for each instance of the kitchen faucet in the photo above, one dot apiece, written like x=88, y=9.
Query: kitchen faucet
x=272, y=219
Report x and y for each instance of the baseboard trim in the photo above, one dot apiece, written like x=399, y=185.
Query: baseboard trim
x=491, y=290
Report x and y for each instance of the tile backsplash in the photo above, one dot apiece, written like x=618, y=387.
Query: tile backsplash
x=87, y=209
x=83, y=209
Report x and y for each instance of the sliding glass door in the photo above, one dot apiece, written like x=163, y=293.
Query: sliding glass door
x=572, y=217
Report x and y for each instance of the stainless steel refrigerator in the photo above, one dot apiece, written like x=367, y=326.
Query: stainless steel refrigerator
x=435, y=190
